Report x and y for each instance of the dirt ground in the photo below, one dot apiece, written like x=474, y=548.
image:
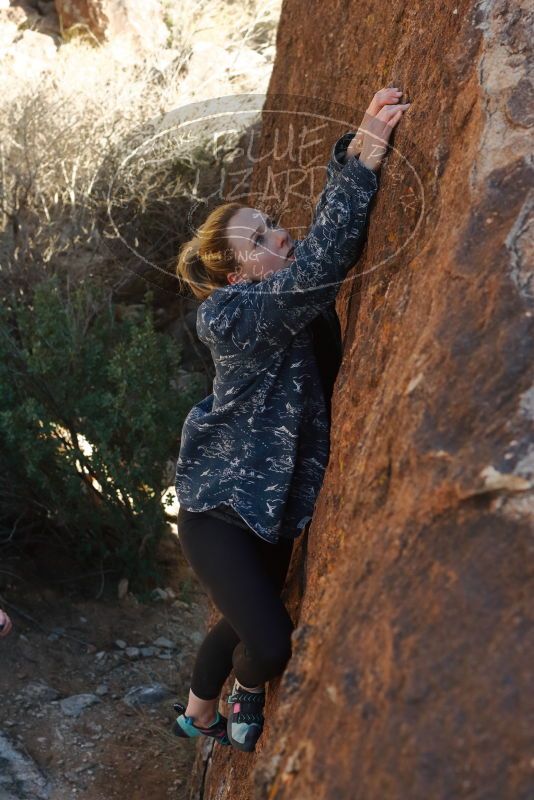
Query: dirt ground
x=65, y=643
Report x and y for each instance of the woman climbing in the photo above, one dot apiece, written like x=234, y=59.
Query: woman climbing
x=253, y=453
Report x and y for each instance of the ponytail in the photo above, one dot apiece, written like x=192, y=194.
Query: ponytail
x=191, y=271
x=204, y=262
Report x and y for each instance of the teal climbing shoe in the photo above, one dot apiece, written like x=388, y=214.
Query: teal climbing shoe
x=185, y=728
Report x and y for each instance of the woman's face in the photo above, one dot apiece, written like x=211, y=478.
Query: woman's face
x=260, y=247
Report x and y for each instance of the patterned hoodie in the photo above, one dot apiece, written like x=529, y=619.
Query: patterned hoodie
x=259, y=444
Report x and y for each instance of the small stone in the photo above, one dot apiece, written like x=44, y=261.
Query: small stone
x=146, y=695
x=99, y=656
x=120, y=644
x=332, y=693
x=101, y=690
x=73, y=706
x=94, y=727
x=164, y=656
x=162, y=641
x=39, y=691
x=158, y=594
x=180, y=604
x=147, y=652
x=132, y=652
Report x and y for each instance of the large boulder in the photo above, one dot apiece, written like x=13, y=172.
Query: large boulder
x=411, y=674
x=139, y=23
x=28, y=53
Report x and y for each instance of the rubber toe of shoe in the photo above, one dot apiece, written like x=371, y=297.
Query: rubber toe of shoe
x=248, y=735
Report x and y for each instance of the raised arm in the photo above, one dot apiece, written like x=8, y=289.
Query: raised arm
x=248, y=316
x=383, y=98
x=338, y=159
x=351, y=143
x=252, y=316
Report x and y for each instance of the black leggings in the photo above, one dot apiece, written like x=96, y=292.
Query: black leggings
x=244, y=576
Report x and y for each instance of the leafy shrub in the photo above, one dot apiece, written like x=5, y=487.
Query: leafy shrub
x=88, y=420
x=88, y=415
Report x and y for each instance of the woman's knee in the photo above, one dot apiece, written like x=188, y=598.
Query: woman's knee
x=274, y=653
x=271, y=653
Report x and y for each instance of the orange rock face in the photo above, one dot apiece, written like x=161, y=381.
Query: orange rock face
x=411, y=674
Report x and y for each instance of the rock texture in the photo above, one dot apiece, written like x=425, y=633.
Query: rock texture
x=20, y=776
x=412, y=657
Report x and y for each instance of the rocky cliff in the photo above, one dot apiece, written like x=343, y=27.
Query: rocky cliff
x=412, y=652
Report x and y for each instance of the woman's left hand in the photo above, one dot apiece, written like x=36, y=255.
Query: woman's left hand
x=382, y=98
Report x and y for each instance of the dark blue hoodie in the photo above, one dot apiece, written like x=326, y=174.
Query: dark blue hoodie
x=259, y=443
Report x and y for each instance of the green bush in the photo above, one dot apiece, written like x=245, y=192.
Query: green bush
x=89, y=420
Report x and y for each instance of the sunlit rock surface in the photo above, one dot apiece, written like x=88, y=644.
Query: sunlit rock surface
x=411, y=670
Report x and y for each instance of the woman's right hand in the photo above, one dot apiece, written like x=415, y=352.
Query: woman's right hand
x=384, y=97
x=5, y=624
x=376, y=133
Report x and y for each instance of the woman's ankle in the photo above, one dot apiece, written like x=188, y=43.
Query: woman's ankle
x=254, y=689
x=203, y=711
x=204, y=720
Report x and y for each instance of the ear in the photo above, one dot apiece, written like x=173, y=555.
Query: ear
x=234, y=277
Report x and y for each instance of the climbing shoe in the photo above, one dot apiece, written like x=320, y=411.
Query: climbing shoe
x=184, y=726
x=245, y=721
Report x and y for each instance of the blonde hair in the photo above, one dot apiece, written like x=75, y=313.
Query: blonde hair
x=205, y=260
